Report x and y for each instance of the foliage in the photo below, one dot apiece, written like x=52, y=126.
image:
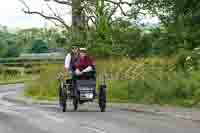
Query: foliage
x=14, y=78
x=39, y=46
x=3, y=48
x=8, y=45
x=142, y=80
x=12, y=45
x=159, y=66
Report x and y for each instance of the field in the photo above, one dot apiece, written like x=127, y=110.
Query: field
x=21, y=69
x=13, y=75
x=149, y=81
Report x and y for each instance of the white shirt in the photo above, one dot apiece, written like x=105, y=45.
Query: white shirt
x=67, y=61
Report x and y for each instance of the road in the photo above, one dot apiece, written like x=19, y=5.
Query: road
x=22, y=118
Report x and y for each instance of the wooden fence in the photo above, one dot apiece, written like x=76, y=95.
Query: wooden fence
x=26, y=65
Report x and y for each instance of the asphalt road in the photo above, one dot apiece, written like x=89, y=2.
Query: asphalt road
x=22, y=118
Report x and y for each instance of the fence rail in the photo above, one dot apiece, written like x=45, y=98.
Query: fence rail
x=30, y=61
x=26, y=65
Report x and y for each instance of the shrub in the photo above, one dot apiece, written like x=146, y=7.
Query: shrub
x=101, y=51
x=196, y=97
x=39, y=46
x=187, y=60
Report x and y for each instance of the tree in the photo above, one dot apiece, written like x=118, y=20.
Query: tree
x=8, y=45
x=83, y=11
x=94, y=21
x=3, y=48
x=39, y=46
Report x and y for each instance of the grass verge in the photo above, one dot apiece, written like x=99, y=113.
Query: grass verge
x=14, y=78
x=146, y=81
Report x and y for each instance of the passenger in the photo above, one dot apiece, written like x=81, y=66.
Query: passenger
x=84, y=65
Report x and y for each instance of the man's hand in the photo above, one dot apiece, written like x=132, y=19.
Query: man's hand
x=88, y=69
x=78, y=72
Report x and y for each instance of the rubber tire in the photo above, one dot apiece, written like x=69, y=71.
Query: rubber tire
x=64, y=104
x=75, y=103
x=102, y=98
x=60, y=95
x=62, y=98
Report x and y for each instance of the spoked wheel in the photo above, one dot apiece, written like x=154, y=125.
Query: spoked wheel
x=75, y=103
x=102, y=98
x=63, y=97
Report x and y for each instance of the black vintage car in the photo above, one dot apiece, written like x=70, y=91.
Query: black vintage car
x=80, y=91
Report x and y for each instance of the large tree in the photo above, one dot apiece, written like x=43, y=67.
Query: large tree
x=83, y=11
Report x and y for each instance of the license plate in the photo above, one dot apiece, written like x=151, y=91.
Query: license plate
x=90, y=96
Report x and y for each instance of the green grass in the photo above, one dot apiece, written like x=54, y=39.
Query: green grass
x=147, y=81
x=15, y=78
x=46, y=86
x=118, y=91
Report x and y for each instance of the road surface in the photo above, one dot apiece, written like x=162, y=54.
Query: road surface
x=22, y=118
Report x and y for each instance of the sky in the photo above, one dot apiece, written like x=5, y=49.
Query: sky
x=11, y=14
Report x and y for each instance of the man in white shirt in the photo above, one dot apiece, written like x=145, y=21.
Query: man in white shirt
x=69, y=66
x=71, y=58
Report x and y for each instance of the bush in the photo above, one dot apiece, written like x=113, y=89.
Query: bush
x=196, y=97
x=101, y=51
x=187, y=60
x=3, y=48
x=39, y=46
x=13, y=51
x=166, y=88
x=8, y=48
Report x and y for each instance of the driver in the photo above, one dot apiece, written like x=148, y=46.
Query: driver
x=69, y=66
x=84, y=64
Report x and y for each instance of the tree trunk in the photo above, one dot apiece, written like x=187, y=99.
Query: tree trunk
x=77, y=21
x=76, y=13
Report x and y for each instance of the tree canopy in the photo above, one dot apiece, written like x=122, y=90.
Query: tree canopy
x=110, y=27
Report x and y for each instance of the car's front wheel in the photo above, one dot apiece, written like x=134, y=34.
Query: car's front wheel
x=75, y=103
x=102, y=98
x=62, y=97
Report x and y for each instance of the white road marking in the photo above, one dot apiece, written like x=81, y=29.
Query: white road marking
x=5, y=102
x=186, y=117
x=94, y=129
x=51, y=117
x=6, y=111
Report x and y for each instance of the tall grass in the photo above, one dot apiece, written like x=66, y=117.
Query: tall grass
x=13, y=78
x=143, y=80
x=46, y=86
x=169, y=88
